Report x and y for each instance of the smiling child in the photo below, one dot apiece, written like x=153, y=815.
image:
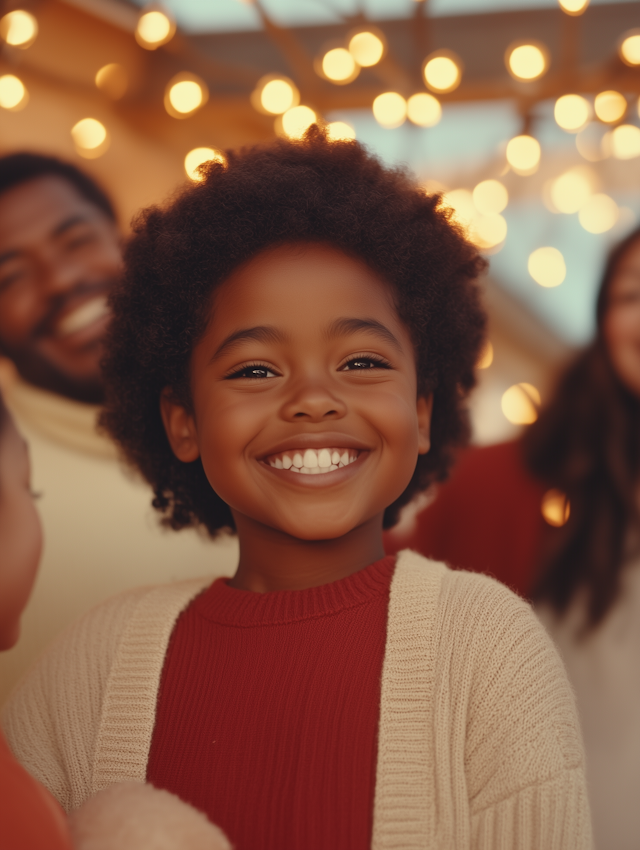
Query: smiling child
x=291, y=350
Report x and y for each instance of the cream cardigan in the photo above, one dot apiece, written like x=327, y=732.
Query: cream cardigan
x=479, y=744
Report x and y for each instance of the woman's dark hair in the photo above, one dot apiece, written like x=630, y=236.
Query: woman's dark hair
x=586, y=443
x=311, y=190
x=18, y=168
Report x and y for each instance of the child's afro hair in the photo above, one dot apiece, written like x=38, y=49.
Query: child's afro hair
x=310, y=190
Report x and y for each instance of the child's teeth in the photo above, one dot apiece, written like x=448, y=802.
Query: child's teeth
x=315, y=462
x=286, y=462
x=344, y=458
x=310, y=459
x=279, y=464
x=324, y=458
x=297, y=460
x=335, y=458
x=333, y=466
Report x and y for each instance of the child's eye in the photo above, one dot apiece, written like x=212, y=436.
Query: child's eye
x=255, y=370
x=364, y=362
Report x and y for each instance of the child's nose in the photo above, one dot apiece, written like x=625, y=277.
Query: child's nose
x=314, y=404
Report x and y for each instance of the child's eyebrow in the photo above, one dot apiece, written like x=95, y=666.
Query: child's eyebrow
x=261, y=333
x=343, y=327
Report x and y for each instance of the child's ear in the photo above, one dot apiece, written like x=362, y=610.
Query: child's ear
x=180, y=427
x=424, y=408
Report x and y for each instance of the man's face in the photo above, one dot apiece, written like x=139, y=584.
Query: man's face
x=59, y=256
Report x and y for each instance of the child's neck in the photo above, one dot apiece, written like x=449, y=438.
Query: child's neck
x=271, y=560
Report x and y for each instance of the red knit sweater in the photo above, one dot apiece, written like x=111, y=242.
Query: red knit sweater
x=268, y=711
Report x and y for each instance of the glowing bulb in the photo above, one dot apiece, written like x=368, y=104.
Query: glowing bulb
x=13, y=94
x=486, y=356
x=572, y=112
x=339, y=131
x=527, y=61
x=599, y=214
x=339, y=66
x=571, y=191
x=366, y=48
x=589, y=142
x=490, y=197
x=19, y=28
x=547, y=267
x=610, y=106
x=197, y=157
x=424, y=109
x=555, y=508
x=185, y=94
x=90, y=137
x=154, y=29
x=297, y=120
x=461, y=202
x=390, y=109
x=573, y=7
x=520, y=404
x=629, y=48
x=112, y=80
x=624, y=141
x=487, y=231
x=442, y=72
x=279, y=95
x=523, y=154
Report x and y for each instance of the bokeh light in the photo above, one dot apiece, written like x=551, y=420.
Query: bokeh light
x=599, y=214
x=390, y=109
x=520, y=404
x=154, y=29
x=527, y=61
x=296, y=121
x=339, y=66
x=90, y=137
x=184, y=95
x=367, y=48
x=573, y=7
x=572, y=112
x=571, y=191
x=19, y=28
x=339, y=131
x=490, y=197
x=461, y=202
x=523, y=154
x=629, y=49
x=274, y=95
x=424, y=109
x=13, y=94
x=624, y=141
x=442, y=71
x=197, y=157
x=555, y=508
x=547, y=267
x=488, y=231
x=112, y=80
x=610, y=106
x=486, y=356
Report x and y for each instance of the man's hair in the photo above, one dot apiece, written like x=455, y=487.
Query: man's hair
x=311, y=190
x=18, y=168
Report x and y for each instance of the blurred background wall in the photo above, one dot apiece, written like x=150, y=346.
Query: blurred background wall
x=523, y=112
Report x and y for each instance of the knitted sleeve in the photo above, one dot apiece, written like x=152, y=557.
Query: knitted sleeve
x=513, y=721
x=52, y=718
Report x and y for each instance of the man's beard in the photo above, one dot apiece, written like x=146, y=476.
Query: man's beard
x=37, y=369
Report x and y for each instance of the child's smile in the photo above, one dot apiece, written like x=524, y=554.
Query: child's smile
x=305, y=409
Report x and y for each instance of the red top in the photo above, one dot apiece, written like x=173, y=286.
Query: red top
x=30, y=819
x=268, y=711
x=486, y=518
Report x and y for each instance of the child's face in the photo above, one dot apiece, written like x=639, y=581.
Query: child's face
x=305, y=361
x=20, y=534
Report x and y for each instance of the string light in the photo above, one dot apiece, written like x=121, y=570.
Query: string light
x=197, y=157
x=571, y=191
x=488, y=231
x=296, y=121
x=19, y=28
x=339, y=66
x=555, y=508
x=528, y=61
x=154, y=28
x=589, y=142
x=573, y=7
x=424, y=109
x=599, y=214
x=367, y=47
x=274, y=95
x=520, y=404
x=184, y=95
x=112, y=80
x=90, y=138
x=572, y=112
x=547, y=267
x=442, y=71
x=486, y=356
x=624, y=141
x=610, y=106
x=523, y=154
x=339, y=131
x=390, y=109
x=13, y=94
x=461, y=202
x=629, y=48
x=490, y=197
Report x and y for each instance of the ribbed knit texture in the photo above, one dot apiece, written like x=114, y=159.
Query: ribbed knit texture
x=481, y=716
x=269, y=705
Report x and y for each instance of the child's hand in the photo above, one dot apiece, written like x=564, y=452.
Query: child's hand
x=131, y=816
